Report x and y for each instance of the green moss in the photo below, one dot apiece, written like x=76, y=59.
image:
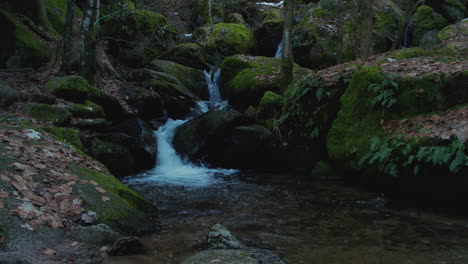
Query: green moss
x=57, y=12
x=66, y=135
x=228, y=39
x=87, y=110
x=48, y=113
x=357, y=121
x=126, y=211
x=453, y=31
x=454, y=10
x=25, y=43
x=116, y=6
x=188, y=54
x=426, y=19
x=73, y=88
x=272, y=14
x=235, y=18
x=270, y=105
x=251, y=112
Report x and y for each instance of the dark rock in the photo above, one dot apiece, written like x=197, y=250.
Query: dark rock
x=99, y=235
x=126, y=246
x=41, y=98
x=112, y=108
x=146, y=103
x=8, y=96
x=220, y=237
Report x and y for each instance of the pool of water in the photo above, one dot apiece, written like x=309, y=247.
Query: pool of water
x=320, y=221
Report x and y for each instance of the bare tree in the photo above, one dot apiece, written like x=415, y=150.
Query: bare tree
x=67, y=38
x=339, y=44
x=88, y=41
x=366, y=27
x=287, y=63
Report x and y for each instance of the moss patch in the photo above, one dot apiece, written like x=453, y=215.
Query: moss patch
x=49, y=113
x=73, y=88
x=66, y=135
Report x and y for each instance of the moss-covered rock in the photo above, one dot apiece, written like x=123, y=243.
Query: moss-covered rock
x=206, y=12
x=454, y=10
x=146, y=35
x=187, y=54
x=427, y=24
x=20, y=47
x=87, y=110
x=226, y=39
x=191, y=78
x=66, y=135
x=126, y=211
x=270, y=105
x=73, y=88
x=57, y=11
x=235, y=18
x=48, y=113
x=245, y=79
x=357, y=122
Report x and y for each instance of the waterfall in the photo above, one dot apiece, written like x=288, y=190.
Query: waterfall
x=279, y=50
x=170, y=168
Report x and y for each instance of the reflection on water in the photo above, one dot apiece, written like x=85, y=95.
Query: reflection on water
x=304, y=222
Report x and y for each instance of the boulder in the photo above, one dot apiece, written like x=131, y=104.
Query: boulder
x=72, y=88
x=225, y=39
x=146, y=103
x=191, y=78
x=187, y=54
x=126, y=246
x=270, y=105
x=219, y=237
x=87, y=110
x=100, y=234
x=55, y=114
x=147, y=35
x=8, y=96
x=235, y=18
x=42, y=98
x=427, y=24
x=20, y=48
x=269, y=34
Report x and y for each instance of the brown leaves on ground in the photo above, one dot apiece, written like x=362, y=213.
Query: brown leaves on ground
x=50, y=201
x=444, y=125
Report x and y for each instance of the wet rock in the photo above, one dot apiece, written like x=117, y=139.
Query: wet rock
x=127, y=246
x=8, y=96
x=224, y=256
x=89, y=217
x=146, y=103
x=100, y=234
x=220, y=237
x=41, y=98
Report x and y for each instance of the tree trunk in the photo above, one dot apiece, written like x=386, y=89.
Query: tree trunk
x=287, y=63
x=88, y=41
x=339, y=44
x=67, y=38
x=366, y=28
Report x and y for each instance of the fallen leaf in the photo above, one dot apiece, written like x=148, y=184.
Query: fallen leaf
x=3, y=195
x=105, y=198
x=93, y=183
x=2, y=205
x=49, y=252
x=99, y=189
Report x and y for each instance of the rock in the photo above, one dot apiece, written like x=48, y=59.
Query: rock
x=72, y=88
x=146, y=103
x=113, y=110
x=99, y=235
x=427, y=24
x=8, y=96
x=148, y=35
x=225, y=256
x=191, y=78
x=203, y=136
x=20, y=47
x=95, y=124
x=220, y=237
x=126, y=246
x=161, y=82
x=89, y=217
x=48, y=113
x=235, y=18
x=41, y=98
x=225, y=39
x=268, y=36
x=87, y=110
x=452, y=32
x=270, y=105
x=187, y=54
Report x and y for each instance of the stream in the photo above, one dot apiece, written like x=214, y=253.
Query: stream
x=303, y=219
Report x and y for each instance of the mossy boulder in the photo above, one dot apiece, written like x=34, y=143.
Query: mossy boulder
x=66, y=135
x=57, y=12
x=20, y=47
x=245, y=79
x=187, y=54
x=235, y=18
x=145, y=102
x=270, y=105
x=87, y=110
x=454, y=10
x=427, y=24
x=146, y=35
x=72, y=88
x=49, y=113
x=191, y=78
x=226, y=39
x=8, y=96
x=454, y=31
x=126, y=211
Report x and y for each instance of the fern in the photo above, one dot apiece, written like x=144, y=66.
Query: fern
x=385, y=93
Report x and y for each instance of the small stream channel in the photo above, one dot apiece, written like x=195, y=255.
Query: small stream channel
x=304, y=220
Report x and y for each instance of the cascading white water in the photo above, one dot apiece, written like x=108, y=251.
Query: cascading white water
x=279, y=50
x=170, y=167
